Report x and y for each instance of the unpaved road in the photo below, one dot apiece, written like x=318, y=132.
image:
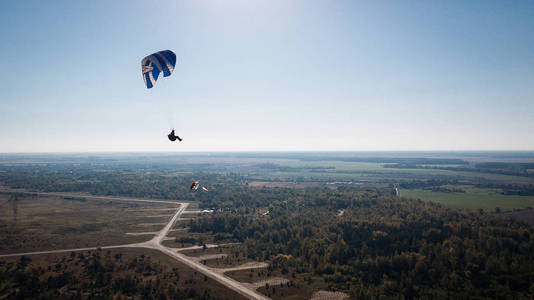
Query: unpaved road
x=326, y=295
x=155, y=243
x=90, y=197
x=249, y=265
x=271, y=281
x=210, y=256
x=208, y=246
x=66, y=250
x=210, y=272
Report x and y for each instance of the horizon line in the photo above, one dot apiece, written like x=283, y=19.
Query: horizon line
x=261, y=151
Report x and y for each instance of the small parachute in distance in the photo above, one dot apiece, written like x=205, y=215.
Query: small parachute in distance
x=204, y=189
x=152, y=65
x=194, y=185
x=396, y=191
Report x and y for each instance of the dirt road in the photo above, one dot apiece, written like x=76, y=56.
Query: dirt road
x=65, y=250
x=90, y=197
x=155, y=243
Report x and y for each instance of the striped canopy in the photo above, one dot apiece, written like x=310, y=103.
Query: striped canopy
x=152, y=65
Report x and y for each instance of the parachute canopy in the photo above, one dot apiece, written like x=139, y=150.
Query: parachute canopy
x=152, y=65
x=194, y=185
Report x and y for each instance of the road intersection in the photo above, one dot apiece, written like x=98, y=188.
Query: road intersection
x=156, y=243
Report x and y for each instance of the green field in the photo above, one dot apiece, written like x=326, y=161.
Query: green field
x=473, y=198
x=365, y=171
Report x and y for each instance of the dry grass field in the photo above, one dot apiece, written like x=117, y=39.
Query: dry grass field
x=33, y=223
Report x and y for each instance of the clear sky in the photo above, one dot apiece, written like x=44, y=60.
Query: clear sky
x=268, y=75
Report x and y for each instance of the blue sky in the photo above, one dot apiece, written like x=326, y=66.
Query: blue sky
x=268, y=75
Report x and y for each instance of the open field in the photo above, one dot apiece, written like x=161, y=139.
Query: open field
x=526, y=215
x=369, y=172
x=154, y=243
x=32, y=223
x=473, y=198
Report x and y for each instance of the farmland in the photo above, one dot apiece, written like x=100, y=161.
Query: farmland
x=473, y=198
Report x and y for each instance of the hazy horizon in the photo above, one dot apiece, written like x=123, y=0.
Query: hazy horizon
x=273, y=151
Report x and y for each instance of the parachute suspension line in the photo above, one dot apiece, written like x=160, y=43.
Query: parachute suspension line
x=153, y=67
x=170, y=119
x=166, y=114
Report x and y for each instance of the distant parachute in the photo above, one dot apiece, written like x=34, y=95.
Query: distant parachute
x=152, y=65
x=194, y=185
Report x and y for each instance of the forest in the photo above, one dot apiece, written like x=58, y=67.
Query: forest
x=385, y=246
x=102, y=275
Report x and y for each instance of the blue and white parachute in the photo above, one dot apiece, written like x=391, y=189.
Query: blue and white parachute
x=152, y=65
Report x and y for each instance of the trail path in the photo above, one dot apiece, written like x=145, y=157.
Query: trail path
x=66, y=250
x=150, y=224
x=156, y=216
x=326, y=295
x=90, y=197
x=270, y=281
x=250, y=265
x=143, y=233
x=208, y=246
x=210, y=256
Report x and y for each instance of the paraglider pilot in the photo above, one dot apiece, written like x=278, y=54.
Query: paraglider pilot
x=173, y=137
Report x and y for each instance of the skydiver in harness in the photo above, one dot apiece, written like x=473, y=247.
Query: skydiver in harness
x=173, y=137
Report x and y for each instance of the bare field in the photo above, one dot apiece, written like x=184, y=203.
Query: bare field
x=32, y=223
x=526, y=215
